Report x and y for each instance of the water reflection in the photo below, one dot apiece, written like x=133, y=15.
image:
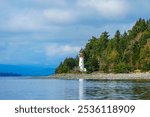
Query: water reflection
x=95, y=89
x=141, y=91
x=62, y=89
x=81, y=89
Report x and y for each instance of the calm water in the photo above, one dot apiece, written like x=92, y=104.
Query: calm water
x=27, y=88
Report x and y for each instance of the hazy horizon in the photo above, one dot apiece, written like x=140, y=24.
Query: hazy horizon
x=25, y=70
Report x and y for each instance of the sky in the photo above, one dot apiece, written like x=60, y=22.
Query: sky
x=44, y=32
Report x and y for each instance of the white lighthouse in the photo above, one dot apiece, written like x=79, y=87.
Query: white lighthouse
x=81, y=61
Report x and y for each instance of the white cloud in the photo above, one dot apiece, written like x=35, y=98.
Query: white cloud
x=106, y=8
x=22, y=22
x=37, y=20
x=52, y=18
x=59, y=15
x=51, y=2
x=58, y=50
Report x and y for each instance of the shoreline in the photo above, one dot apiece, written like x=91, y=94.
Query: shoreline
x=103, y=76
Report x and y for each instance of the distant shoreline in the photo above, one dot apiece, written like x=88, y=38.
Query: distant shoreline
x=104, y=76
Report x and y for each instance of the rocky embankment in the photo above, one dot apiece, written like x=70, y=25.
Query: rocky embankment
x=109, y=76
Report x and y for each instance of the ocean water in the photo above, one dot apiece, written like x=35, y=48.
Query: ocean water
x=41, y=88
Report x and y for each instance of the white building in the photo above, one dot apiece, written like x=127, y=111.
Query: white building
x=81, y=62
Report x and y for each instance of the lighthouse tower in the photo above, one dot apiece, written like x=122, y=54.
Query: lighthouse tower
x=81, y=61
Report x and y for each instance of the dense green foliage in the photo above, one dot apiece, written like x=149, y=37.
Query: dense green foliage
x=121, y=54
x=67, y=66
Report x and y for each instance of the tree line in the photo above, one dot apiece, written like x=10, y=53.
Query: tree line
x=122, y=53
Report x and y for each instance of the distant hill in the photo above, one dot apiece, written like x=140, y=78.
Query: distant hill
x=25, y=70
x=9, y=74
x=122, y=53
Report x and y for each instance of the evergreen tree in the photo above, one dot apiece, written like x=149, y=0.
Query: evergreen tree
x=145, y=56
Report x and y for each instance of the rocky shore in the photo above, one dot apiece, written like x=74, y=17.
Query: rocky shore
x=109, y=76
